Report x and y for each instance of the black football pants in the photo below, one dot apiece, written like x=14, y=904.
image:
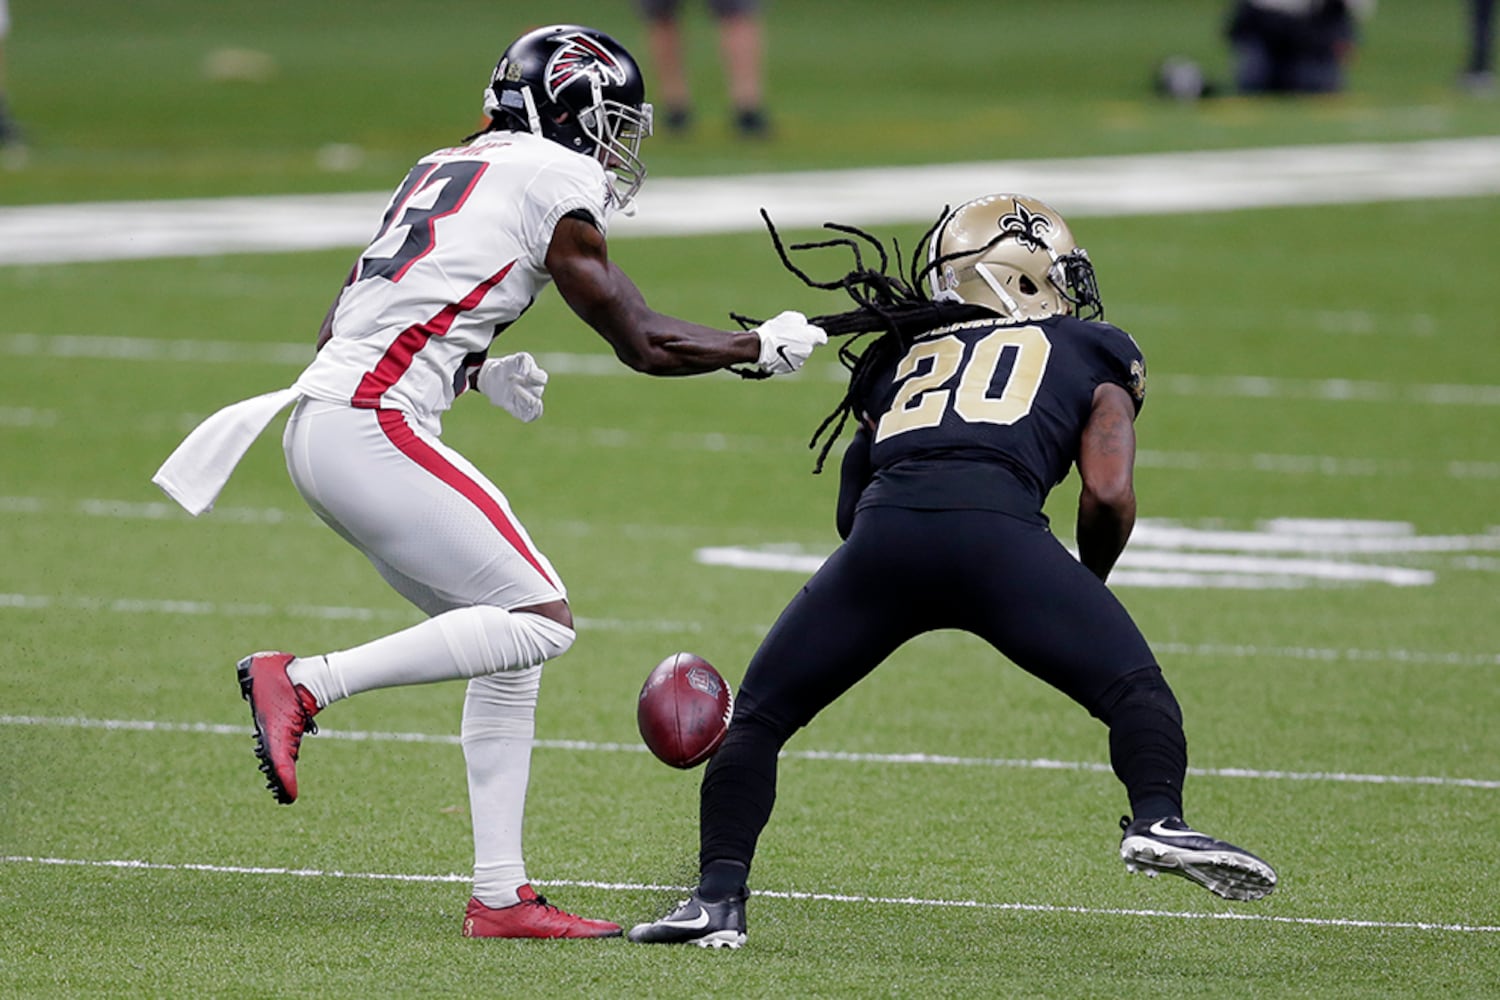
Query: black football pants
x=905, y=572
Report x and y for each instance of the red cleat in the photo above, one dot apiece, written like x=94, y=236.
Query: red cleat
x=532, y=917
x=282, y=712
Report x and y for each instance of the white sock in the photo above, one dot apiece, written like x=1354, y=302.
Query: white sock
x=465, y=642
x=499, y=723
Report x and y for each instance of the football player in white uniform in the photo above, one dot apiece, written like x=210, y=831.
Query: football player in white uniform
x=469, y=239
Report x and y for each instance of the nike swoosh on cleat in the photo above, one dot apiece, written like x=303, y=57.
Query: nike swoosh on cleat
x=696, y=923
x=1160, y=831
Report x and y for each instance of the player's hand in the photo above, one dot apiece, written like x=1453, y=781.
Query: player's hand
x=515, y=384
x=786, y=340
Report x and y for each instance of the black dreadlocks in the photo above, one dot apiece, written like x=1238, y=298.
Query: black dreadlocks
x=897, y=307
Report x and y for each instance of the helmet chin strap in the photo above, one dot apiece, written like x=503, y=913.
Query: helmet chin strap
x=595, y=124
x=533, y=120
x=596, y=107
x=989, y=279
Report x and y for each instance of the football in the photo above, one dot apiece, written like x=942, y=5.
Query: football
x=683, y=711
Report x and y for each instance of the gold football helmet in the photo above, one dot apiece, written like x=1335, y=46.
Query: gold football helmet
x=1015, y=255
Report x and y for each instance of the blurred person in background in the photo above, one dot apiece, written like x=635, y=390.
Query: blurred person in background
x=741, y=47
x=9, y=134
x=1479, y=73
x=1293, y=46
x=1278, y=47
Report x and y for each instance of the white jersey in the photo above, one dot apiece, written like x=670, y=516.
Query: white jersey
x=461, y=253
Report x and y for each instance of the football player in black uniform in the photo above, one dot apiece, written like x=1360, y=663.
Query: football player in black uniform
x=993, y=374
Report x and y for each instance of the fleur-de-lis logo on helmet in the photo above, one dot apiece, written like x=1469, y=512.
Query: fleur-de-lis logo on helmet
x=580, y=55
x=1028, y=226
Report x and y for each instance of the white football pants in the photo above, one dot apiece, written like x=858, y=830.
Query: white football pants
x=445, y=538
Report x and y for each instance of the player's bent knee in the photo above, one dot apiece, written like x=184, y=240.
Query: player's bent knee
x=485, y=639
x=549, y=637
x=558, y=611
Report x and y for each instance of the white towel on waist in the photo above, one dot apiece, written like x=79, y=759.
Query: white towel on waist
x=197, y=470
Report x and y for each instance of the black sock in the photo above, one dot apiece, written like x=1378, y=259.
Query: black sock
x=1155, y=807
x=722, y=879
x=738, y=794
x=1147, y=746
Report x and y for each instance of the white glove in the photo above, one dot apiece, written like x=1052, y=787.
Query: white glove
x=785, y=342
x=515, y=384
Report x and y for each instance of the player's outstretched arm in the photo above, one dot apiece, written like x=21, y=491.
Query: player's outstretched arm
x=606, y=299
x=1106, y=464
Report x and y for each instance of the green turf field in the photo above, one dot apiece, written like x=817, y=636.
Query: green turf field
x=1325, y=397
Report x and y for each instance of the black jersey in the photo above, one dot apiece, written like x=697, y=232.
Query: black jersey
x=988, y=414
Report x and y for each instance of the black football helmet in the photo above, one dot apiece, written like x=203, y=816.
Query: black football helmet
x=580, y=88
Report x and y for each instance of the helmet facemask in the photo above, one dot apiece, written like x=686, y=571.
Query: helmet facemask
x=1073, y=276
x=617, y=131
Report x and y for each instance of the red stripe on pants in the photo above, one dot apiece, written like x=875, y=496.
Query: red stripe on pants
x=393, y=423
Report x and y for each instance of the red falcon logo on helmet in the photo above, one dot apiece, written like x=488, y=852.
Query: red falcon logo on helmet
x=579, y=55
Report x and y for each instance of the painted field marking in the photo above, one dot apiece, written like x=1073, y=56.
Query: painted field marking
x=100, y=347
x=1136, y=568
x=127, y=605
x=828, y=897
x=838, y=756
x=317, y=612
x=43, y=602
x=1280, y=553
x=1314, y=465
x=1146, y=184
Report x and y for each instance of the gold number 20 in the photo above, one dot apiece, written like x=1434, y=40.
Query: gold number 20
x=922, y=399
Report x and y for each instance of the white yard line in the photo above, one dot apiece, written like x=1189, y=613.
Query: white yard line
x=1350, y=923
x=1139, y=568
x=1317, y=536
x=837, y=756
x=1281, y=553
x=194, y=608
x=101, y=347
x=1148, y=184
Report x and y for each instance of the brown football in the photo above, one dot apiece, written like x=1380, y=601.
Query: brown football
x=683, y=711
